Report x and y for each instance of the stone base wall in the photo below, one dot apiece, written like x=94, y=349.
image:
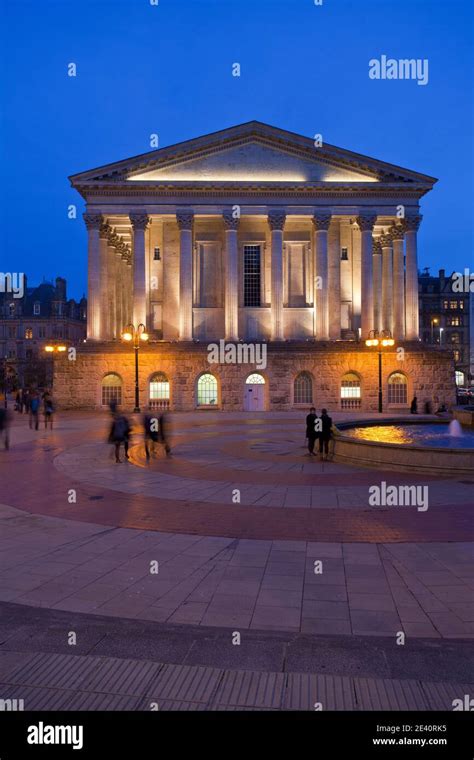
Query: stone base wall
x=429, y=373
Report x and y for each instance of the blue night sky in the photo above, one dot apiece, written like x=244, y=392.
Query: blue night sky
x=167, y=69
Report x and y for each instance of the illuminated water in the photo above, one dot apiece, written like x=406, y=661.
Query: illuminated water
x=436, y=435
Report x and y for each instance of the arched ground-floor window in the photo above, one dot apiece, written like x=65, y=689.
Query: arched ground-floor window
x=111, y=389
x=303, y=389
x=159, y=391
x=397, y=389
x=207, y=391
x=350, y=391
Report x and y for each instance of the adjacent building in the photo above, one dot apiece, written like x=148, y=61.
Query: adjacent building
x=253, y=237
x=34, y=318
x=445, y=318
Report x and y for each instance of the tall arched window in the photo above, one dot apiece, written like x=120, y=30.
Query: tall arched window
x=303, y=388
x=207, y=390
x=397, y=389
x=159, y=391
x=111, y=389
x=350, y=391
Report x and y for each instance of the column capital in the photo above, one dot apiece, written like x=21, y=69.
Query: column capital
x=276, y=219
x=396, y=231
x=139, y=220
x=93, y=221
x=376, y=246
x=113, y=239
x=412, y=222
x=185, y=219
x=366, y=221
x=104, y=231
x=385, y=240
x=321, y=221
x=231, y=222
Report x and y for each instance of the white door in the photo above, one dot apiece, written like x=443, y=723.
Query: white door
x=254, y=398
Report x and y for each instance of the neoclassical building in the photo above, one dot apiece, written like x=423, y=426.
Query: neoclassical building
x=257, y=235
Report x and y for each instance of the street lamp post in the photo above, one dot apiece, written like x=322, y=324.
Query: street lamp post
x=434, y=322
x=135, y=335
x=380, y=341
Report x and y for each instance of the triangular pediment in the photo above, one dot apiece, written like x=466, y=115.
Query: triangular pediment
x=251, y=152
x=252, y=160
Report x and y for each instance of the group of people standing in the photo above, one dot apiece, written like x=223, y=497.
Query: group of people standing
x=154, y=430
x=319, y=429
x=31, y=402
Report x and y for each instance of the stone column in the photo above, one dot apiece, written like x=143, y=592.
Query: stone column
x=276, y=220
x=396, y=233
x=334, y=280
x=231, y=224
x=114, y=266
x=411, y=277
x=140, y=221
x=111, y=276
x=377, y=279
x=321, y=222
x=93, y=224
x=366, y=221
x=185, y=223
x=387, y=280
x=104, y=282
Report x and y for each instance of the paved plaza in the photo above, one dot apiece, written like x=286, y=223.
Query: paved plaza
x=245, y=573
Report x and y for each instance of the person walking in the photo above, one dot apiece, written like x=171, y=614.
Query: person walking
x=34, y=406
x=48, y=409
x=414, y=406
x=163, y=433
x=325, y=435
x=311, y=432
x=151, y=426
x=5, y=420
x=120, y=434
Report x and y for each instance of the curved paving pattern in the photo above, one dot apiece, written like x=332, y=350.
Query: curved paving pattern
x=328, y=566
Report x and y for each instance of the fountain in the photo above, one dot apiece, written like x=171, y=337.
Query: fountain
x=455, y=429
x=428, y=446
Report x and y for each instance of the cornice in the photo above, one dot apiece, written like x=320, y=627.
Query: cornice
x=234, y=191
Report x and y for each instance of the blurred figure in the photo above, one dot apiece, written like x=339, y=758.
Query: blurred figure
x=427, y=406
x=25, y=397
x=311, y=433
x=34, y=405
x=325, y=434
x=18, y=402
x=151, y=427
x=120, y=434
x=5, y=420
x=48, y=408
x=113, y=407
x=414, y=405
x=163, y=434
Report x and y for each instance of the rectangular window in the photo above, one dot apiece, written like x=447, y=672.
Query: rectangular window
x=36, y=309
x=252, y=276
x=453, y=304
x=344, y=254
x=156, y=255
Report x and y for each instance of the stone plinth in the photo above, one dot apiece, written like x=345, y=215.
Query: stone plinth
x=429, y=373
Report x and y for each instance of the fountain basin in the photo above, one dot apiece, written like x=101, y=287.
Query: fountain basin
x=400, y=443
